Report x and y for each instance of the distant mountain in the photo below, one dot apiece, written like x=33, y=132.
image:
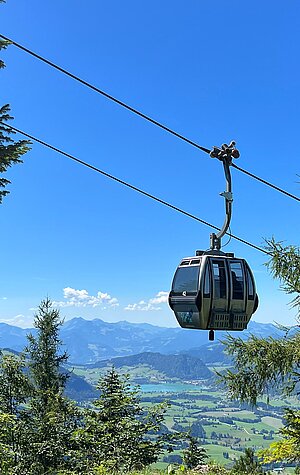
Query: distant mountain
x=13, y=337
x=173, y=366
x=88, y=341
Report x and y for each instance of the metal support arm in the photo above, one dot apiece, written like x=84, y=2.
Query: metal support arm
x=225, y=154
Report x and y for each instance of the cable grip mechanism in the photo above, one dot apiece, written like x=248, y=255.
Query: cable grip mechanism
x=225, y=152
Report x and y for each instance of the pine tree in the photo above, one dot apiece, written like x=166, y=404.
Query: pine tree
x=52, y=418
x=247, y=464
x=193, y=455
x=44, y=352
x=120, y=434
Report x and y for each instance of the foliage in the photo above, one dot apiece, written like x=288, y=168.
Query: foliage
x=10, y=151
x=14, y=384
x=215, y=469
x=43, y=352
x=264, y=363
x=119, y=433
x=289, y=447
x=52, y=418
x=211, y=469
x=202, y=469
x=261, y=364
x=3, y=45
x=14, y=391
x=193, y=455
x=247, y=464
x=285, y=265
x=7, y=454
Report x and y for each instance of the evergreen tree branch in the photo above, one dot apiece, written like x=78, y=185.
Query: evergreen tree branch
x=285, y=266
x=3, y=45
x=261, y=364
x=10, y=151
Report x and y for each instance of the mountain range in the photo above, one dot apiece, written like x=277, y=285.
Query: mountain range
x=90, y=341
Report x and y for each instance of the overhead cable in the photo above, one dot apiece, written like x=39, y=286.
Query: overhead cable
x=141, y=114
x=128, y=185
x=105, y=94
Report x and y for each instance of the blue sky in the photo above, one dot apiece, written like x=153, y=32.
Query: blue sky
x=213, y=71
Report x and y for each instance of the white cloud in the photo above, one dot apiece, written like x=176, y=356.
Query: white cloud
x=81, y=298
x=161, y=297
x=151, y=305
x=20, y=320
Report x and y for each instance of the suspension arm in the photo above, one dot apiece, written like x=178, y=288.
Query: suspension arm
x=225, y=154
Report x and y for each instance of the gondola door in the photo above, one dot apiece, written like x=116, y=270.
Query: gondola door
x=219, y=315
x=238, y=297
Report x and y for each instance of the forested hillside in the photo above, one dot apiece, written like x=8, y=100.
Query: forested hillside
x=173, y=366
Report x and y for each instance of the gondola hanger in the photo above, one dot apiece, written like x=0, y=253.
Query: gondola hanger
x=225, y=154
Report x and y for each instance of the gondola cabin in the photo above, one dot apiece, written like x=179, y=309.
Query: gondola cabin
x=213, y=291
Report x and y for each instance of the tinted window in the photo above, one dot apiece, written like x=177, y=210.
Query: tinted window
x=237, y=277
x=250, y=286
x=207, y=282
x=186, y=278
x=195, y=261
x=219, y=276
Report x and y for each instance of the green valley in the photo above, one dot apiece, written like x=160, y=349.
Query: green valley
x=225, y=428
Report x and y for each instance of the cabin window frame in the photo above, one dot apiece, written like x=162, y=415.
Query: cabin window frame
x=238, y=283
x=250, y=283
x=219, y=292
x=207, y=281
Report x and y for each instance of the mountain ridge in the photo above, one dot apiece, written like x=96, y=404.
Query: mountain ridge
x=181, y=366
x=88, y=341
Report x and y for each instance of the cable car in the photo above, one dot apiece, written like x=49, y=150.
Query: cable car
x=215, y=290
